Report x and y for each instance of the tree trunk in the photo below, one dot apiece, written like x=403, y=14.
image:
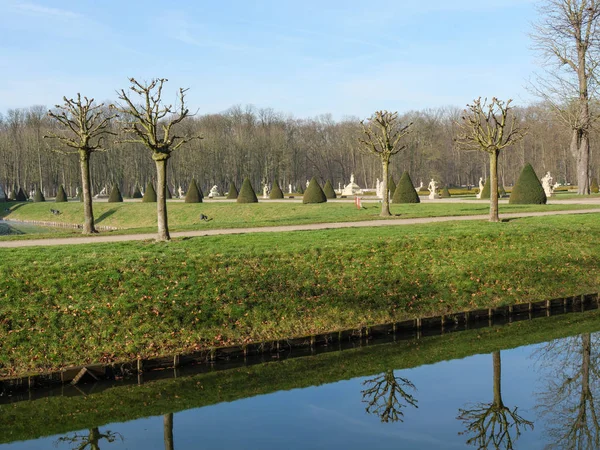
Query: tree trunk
x=385, y=200
x=161, y=198
x=494, y=186
x=168, y=431
x=497, y=380
x=88, y=213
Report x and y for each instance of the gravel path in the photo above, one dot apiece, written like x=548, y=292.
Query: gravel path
x=315, y=226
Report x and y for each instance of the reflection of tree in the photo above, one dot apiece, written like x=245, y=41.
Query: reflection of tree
x=168, y=431
x=384, y=395
x=91, y=440
x=493, y=425
x=568, y=401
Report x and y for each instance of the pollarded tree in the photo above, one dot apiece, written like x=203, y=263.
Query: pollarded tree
x=382, y=138
x=488, y=128
x=151, y=124
x=85, y=125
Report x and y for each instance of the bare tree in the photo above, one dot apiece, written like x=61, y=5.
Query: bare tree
x=152, y=124
x=569, y=400
x=568, y=37
x=382, y=134
x=85, y=126
x=385, y=394
x=487, y=127
x=493, y=425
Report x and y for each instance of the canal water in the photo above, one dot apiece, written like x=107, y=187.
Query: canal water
x=526, y=385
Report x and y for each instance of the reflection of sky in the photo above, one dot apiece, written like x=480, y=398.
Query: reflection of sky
x=333, y=415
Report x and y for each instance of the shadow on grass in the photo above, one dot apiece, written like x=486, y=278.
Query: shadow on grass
x=106, y=215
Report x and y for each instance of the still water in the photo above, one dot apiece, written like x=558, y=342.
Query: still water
x=508, y=387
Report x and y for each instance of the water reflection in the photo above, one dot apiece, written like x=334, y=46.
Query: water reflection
x=493, y=425
x=568, y=399
x=384, y=395
x=168, y=431
x=90, y=440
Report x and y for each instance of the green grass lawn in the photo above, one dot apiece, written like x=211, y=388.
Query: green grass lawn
x=107, y=302
x=140, y=217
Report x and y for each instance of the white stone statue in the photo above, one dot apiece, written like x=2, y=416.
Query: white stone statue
x=352, y=188
x=480, y=187
x=77, y=192
x=180, y=192
x=307, y=183
x=265, y=191
x=379, y=188
x=420, y=188
x=142, y=192
x=31, y=193
x=432, y=187
x=289, y=188
x=214, y=192
x=547, y=184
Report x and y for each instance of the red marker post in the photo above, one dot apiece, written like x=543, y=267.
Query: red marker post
x=357, y=202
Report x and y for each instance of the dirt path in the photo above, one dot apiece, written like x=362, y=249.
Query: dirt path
x=315, y=226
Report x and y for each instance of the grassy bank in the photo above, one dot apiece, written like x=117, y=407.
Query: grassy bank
x=61, y=414
x=141, y=217
x=105, y=302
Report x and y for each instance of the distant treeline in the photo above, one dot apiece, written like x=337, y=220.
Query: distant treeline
x=266, y=145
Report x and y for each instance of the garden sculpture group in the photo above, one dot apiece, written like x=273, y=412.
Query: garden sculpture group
x=547, y=184
x=214, y=192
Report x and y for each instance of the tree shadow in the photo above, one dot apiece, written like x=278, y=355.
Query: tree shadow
x=105, y=215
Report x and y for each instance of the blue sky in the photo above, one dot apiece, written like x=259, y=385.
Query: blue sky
x=303, y=57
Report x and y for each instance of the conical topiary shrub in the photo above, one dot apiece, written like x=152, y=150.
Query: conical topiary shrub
x=233, y=192
x=150, y=194
x=115, y=195
x=314, y=193
x=136, y=192
x=168, y=194
x=21, y=197
x=328, y=190
x=193, y=193
x=391, y=186
x=445, y=193
x=276, y=192
x=247, y=194
x=38, y=196
x=528, y=190
x=405, y=191
x=594, y=187
x=300, y=189
x=61, y=195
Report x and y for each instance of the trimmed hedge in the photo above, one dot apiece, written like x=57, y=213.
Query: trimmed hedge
x=328, y=190
x=115, y=195
x=193, y=194
x=314, y=193
x=61, y=195
x=38, y=197
x=137, y=193
x=391, y=187
x=247, y=194
x=21, y=197
x=276, y=192
x=150, y=194
x=528, y=189
x=405, y=191
x=445, y=193
x=594, y=187
x=233, y=192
